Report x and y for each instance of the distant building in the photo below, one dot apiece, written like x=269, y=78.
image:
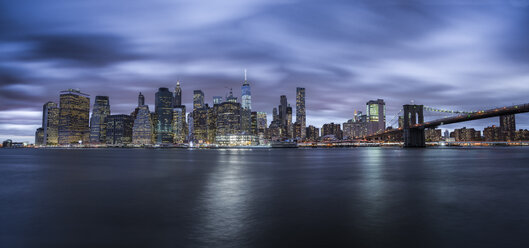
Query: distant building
x=433, y=135
x=261, y=123
x=253, y=122
x=355, y=128
x=297, y=131
x=446, y=134
x=164, y=116
x=217, y=100
x=119, y=129
x=211, y=123
x=180, y=130
x=228, y=118
x=466, y=134
x=301, y=114
x=200, y=124
x=246, y=95
x=492, y=133
x=376, y=116
x=177, y=95
x=508, y=127
x=332, y=129
x=198, y=99
x=97, y=122
x=313, y=133
x=74, y=115
x=39, y=136
x=50, y=123
x=142, y=129
x=522, y=134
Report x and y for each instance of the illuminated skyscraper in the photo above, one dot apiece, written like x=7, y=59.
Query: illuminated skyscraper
x=228, y=118
x=164, y=115
x=97, y=122
x=39, y=136
x=198, y=99
x=50, y=123
x=301, y=114
x=119, y=129
x=200, y=124
x=177, y=95
x=179, y=124
x=376, y=116
x=246, y=95
x=142, y=130
x=74, y=118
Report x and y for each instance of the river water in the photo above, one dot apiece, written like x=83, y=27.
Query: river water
x=364, y=197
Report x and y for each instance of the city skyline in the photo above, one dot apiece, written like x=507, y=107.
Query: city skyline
x=446, y=55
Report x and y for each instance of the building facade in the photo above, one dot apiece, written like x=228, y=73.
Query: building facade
x=119, y=129
x=164, y=116
x=301, y=113
x=508, y=127
x=100, y=111
x=50, y=123
x=142, y=129
x=376, y=116
x=74, y=115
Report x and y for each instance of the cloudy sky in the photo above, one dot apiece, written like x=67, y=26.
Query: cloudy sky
x=465, y=55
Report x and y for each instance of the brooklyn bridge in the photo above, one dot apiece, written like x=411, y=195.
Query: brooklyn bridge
x=412, y=131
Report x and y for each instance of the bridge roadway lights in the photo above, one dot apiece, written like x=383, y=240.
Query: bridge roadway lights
x=413, y=136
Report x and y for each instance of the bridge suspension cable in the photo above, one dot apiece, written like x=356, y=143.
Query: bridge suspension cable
x=432, y=109
x=391, y=122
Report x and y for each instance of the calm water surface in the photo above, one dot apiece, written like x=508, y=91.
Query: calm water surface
x=365, y=197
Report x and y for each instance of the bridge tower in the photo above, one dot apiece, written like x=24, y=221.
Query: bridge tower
x=413, y=136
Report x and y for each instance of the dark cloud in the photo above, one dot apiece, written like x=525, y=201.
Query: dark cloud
x=79, y=49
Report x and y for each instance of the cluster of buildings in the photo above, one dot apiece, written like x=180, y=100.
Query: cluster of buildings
x=226, y=122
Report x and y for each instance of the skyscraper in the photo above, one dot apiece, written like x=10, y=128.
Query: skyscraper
x=198, y=99
x=142, y=130
x=74, y=115
x=376, y=116
x=179, y=124
x=246, y=105
x=50, y=123
x=301, y=114
x=228, y=118
x=283, y=110
x=246, y=95
x=119, y=129
x=141, y=100
x=164, y=114
x=177, y=95
x=261, y=123
x=97, y=122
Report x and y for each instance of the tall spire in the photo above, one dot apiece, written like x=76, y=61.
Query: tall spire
x=245, y=75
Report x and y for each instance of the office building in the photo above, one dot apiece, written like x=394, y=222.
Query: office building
x=217, y=100
x=142, y=129
x=198, y=99
x=508, y=127
x=74, y=118
x=100, y=111
x=119, y=129
x=466, y=134
x=313, y=133
x=492, y=133
x=301, y=114
x=433, y=135
x=164, y=116
x=376, y=116
x=39, y=136
x=332, y=129
x=180, y=130
x=228, y=118
x=177, y=95
x=50, y=123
